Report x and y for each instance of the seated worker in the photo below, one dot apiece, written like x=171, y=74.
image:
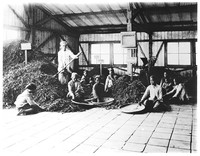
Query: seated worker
x=86, y=85
x=109, y=82
x=85, y=78
x=74, y=88
x=152, y=98
x=166, y=86
x=165, y=75
x=178, y=94
x=25, y=103
x=98, y=89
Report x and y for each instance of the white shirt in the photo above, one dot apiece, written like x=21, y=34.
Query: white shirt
x=153, y=92
x=64, y=58
x=24, y=98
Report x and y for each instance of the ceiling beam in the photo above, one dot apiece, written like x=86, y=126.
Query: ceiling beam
x=173, y=9
x=19, y=17
x=72, y=31
x=93, y=13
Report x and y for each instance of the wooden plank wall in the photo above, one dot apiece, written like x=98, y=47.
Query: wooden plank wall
x=37, y=36
x=142, y=38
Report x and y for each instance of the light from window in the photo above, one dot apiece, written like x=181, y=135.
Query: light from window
x=178, y=53
x=100, y=52
x=120, y=54
x=11, y=35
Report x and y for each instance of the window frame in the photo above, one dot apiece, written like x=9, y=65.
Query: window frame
x=166, y=54
x=111, y=53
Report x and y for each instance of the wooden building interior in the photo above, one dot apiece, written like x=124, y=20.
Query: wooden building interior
x=165, y=32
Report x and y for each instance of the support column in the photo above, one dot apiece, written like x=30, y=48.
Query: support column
x=129, y=28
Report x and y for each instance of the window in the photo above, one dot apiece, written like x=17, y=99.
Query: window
x=107, y=54
x=178, y=53
x=100, y=52
x=119, y=54
x=10, y=35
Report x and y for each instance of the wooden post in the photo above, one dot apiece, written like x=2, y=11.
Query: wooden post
x=129, y=28
x=26, y=57
x=150, y=45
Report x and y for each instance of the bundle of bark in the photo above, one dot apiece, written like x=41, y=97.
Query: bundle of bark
x=125, y=91
x=16, y=75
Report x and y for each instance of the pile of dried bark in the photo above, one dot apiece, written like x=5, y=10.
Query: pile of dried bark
x=50, y=93
x=125, y=91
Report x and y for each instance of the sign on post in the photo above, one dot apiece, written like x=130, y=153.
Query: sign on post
x=25, y=46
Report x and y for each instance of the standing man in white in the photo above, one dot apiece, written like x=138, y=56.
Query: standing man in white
x=65, y=55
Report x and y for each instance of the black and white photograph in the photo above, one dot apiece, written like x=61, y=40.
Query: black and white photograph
x=99, y=77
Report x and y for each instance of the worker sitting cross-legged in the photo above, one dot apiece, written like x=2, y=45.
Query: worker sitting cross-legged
x=152, y=98
x=25, y=103
x=74, y=87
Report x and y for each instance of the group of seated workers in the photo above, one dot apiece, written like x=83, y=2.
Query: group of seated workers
x=79, y=88
x=158, y=96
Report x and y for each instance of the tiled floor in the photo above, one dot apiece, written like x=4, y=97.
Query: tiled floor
x=100, y=131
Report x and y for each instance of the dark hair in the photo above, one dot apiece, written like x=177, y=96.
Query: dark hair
x=153, y=77
x=31, y=87
x=177, y=79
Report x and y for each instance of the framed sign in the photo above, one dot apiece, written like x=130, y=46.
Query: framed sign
x=128, y=39
x=25, y=46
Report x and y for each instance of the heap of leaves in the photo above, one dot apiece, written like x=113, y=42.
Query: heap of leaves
x=50, y=94
x=125, y=91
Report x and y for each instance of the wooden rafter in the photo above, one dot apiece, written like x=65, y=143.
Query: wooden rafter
x=84, y=54
x=158, y=53
x=71, y=30
x=141, y=13
x=43, y=21
x=71, y=18
x=93, y=13
x=141, y=50
x=19, y=17
x=43, y=43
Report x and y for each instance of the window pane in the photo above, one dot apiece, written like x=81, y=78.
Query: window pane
x=95, y=58
x=172, y=48
x=184, y=59
x=95, y=48
x=100, y=51
x=117, y=48
x=172, y=59
x=118, y=59
x=105, y=48
x=184, y=47
x=105, y=58
x=119, y=54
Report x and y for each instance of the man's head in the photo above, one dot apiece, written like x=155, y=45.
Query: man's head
x=165, y=74
x=31, y=88
x=85, y=72
x=111, y=71
x=63, y=44
x=97, y=78
x=152, y=80
x=176, y=81
x=74, y=76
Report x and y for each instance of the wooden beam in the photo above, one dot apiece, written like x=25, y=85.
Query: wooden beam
x=19, y=17
x=43, y=43
x=141, y=50
x=43, y=21
x=173, y=9
x=71, y=30
x=141, y=13
x=159, y=51
x=150, y=46
x=84, y=54
x=16, y=28
x=93, y=13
